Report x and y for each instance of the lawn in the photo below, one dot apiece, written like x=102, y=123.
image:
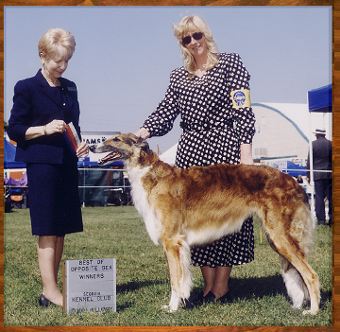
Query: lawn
x=259, y=296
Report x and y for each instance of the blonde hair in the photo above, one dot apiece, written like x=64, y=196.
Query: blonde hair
x=195, y=23
x=53, y=39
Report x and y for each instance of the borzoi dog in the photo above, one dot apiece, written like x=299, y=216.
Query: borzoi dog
x=197, y=205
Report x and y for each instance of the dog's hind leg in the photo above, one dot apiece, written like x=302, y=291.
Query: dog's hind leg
x=177, y=252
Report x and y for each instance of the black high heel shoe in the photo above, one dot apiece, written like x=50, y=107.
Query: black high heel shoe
x=44, y=301
x=226, y=298
x=211, y=298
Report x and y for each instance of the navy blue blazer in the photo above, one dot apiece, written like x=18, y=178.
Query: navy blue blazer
x=36, y=103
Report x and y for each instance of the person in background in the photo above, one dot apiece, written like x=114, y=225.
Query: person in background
x=322, y=160
x=210, y=92
x=42, y=106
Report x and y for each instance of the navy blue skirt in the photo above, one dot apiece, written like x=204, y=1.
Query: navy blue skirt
x=53, y=198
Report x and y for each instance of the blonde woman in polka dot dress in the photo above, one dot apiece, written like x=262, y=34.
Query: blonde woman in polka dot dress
x=211, y=95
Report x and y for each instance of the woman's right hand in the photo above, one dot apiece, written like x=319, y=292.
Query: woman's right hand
x=143, y=133
x=55, y=126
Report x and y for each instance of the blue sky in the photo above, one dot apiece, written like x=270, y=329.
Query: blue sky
x=124, y=55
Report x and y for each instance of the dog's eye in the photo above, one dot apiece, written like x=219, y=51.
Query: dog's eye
x=116, y=139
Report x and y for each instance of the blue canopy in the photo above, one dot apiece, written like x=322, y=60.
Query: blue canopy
x=295, y=169
x=9, y=156
x=320, y=100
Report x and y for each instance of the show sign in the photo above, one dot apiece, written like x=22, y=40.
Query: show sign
x=90, y=285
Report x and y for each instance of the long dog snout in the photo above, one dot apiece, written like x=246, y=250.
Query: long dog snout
x=98, y=148
x=124, y=146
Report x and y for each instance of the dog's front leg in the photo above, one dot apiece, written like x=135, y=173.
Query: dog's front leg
x=175, y=302
x=178, y=256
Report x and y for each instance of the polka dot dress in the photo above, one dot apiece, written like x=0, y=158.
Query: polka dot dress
x=212, y=133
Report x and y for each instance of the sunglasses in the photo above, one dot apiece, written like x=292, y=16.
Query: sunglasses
x=187, y=39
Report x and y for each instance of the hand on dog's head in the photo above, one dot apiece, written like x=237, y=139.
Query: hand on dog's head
x=139, y=142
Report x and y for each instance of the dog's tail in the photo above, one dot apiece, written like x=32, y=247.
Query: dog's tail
x=306, y=236
x=296, y=287
x=302, y=232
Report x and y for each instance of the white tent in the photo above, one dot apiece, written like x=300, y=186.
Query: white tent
x=169, y=155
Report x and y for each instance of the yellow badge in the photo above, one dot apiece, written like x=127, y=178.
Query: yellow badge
x=240, y=98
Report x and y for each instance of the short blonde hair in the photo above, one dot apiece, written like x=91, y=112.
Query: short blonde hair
x=53, y=39
x=190, y=24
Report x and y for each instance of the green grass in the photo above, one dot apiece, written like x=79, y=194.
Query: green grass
x=259, y=296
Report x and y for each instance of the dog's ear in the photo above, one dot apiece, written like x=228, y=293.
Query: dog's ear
x=143, y=145
x=130, y=139
x=138, y=141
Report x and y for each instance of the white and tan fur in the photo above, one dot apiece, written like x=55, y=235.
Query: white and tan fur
x=195, y=206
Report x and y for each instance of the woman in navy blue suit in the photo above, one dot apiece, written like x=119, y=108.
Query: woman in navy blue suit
x=42, y=106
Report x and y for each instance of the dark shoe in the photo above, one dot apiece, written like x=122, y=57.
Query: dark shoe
x=188, y=304
x=43, y=301
x=196, y=299
x=225, y=298
x=209, y=298
x=199, y=299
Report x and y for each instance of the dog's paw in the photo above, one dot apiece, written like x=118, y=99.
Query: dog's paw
x=167, y=308
x=310, y=312
x=297, y=306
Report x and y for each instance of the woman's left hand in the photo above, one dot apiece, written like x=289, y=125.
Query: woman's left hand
x=83, y=150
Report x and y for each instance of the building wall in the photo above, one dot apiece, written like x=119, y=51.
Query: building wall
x=277, y=135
